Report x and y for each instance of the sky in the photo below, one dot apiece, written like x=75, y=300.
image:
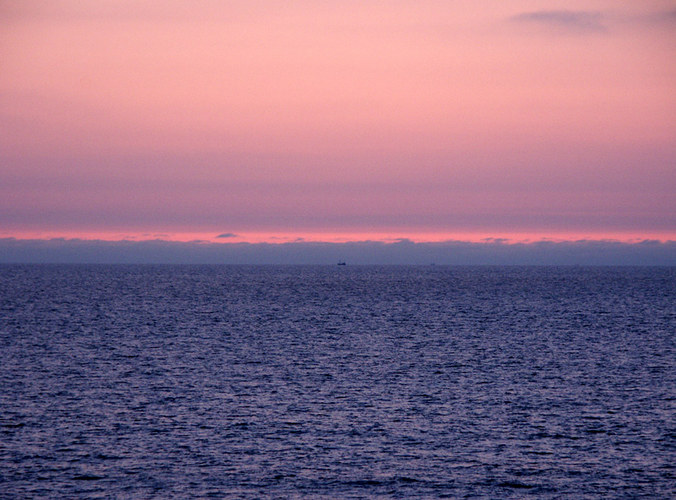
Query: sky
x=263, y=121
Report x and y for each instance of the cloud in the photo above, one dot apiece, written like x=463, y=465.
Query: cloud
x=666, y=17
x=564, y=20
x=227, y=235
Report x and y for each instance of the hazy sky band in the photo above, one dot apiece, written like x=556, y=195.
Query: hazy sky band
x=338, y=117
x=406, y=252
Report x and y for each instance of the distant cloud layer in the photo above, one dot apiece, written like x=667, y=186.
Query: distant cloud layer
x=491, y=252
x=227, y=235
x=667, y=16
x=577, y=21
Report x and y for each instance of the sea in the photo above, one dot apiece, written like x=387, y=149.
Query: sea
x=124, y=381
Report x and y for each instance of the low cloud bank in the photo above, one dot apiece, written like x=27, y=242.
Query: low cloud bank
x=568, y=20
x=495, y=252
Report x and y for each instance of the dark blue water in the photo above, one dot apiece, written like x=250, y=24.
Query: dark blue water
x=337, y=382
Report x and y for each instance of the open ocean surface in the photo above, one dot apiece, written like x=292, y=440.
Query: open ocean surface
x=337, y=382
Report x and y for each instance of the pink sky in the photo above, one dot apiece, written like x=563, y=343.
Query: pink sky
x=338, y=120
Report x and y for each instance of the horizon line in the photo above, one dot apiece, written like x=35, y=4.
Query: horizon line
x=401, y=251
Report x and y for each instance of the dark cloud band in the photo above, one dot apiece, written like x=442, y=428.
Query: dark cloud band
x=489, y=252
x=578, y=21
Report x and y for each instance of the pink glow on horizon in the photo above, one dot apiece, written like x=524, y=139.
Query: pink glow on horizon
x=332, y=237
